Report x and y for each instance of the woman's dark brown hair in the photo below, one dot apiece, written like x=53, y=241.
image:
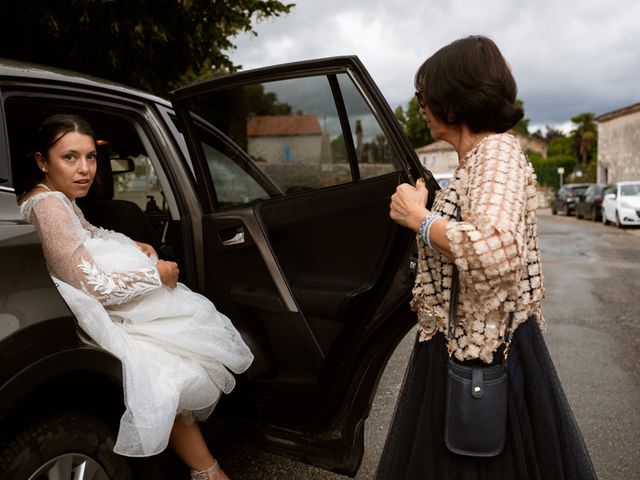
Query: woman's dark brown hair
x=50, y=131
x=469, y=82
x=57, y=126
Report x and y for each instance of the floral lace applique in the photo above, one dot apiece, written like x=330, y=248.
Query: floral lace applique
x=117, y=288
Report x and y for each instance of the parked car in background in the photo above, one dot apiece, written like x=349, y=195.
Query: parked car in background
x=566, y=197
x=621, y=204
x=443, y=178
x=589, y=204
x=277, y=244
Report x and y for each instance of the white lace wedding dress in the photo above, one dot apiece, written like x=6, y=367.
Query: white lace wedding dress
x=175, y=347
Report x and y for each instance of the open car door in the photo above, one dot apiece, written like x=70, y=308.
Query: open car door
x=295, y=166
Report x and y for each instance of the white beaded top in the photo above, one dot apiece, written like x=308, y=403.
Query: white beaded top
x=495, y=247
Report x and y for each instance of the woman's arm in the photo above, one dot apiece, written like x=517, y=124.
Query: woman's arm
x=408, y=209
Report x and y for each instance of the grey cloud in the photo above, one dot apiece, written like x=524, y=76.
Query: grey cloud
x=568, y=57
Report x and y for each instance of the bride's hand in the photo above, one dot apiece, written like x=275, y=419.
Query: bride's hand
x=168, y=273
x=147, y=249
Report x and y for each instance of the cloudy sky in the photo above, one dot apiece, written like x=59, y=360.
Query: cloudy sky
x=568, y=57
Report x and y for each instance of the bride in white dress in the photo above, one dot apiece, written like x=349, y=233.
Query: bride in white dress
x=176, y=349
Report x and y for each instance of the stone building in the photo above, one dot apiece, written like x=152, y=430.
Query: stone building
x=287, y=139
x=619, y=145
x=440, y=157
x=529, y=142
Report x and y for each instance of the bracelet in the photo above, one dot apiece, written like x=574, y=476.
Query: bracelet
x=425, y=227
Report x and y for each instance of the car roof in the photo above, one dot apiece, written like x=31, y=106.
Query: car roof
x=629, y=182
x=577, y=185
x=31, y=71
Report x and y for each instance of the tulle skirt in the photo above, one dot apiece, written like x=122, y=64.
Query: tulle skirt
x=177, y=353
x=543, y=440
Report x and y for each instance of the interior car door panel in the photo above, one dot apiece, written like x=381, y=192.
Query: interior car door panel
x=304, y=257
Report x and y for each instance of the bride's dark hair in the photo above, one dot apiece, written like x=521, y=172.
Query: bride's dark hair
x=50, y=131
x=57, y=126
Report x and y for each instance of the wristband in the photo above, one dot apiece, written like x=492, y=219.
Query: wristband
x=425, y=227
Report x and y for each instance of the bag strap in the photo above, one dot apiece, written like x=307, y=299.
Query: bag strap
x=453, y=309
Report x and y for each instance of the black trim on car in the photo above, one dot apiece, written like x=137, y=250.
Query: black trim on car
x=4, y=146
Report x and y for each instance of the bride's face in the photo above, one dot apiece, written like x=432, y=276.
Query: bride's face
x=70, y=165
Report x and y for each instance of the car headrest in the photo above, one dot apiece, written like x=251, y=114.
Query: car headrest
x=102, y=187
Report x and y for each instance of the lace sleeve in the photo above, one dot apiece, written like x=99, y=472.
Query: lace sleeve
x=63, y=237
x=488, y=246
x=99, y=232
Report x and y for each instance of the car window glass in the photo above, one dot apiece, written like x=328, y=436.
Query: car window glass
x=629, y=190
x=289, y=136
x=138, y=184
x=373, y=149
x=233, y=184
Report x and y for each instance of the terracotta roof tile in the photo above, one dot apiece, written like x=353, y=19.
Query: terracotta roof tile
x=283, y=125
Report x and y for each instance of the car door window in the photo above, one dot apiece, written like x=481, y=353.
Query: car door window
x=138, y=183
x=373, y=150
x=289, y=136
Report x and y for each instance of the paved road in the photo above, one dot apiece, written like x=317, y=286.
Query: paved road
x=592, y=276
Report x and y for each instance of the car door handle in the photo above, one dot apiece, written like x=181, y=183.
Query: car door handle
x=237, y=239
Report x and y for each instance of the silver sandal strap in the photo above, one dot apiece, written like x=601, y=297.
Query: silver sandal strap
x=205, y=474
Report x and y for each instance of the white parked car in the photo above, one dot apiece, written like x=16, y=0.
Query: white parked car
x=621, y=204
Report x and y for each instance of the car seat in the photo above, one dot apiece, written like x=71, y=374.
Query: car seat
x=102, y=210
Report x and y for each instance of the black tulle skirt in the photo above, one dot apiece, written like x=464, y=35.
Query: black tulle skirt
x=543, y=440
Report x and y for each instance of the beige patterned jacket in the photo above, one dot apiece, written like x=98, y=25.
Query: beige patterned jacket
x=495, y=247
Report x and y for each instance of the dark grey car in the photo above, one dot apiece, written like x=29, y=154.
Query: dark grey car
x=274, y=210
x=589, y=203
x=566, y=197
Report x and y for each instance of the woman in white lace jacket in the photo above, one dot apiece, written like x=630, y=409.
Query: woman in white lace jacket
x=176, y=349
x=468, y=96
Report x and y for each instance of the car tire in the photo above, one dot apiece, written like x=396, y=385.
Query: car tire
x=60, y=444
x=618, y=222
x=594, y=214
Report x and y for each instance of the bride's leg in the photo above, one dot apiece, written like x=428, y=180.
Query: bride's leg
x=187, y=441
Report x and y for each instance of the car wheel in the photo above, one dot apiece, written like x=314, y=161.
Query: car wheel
x=594, y=214
x=66, y=446
x=553, y=210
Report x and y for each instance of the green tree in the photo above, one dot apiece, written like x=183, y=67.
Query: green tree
x=153, y=45
x=547, y=168
x=413, y=124
x=585, y=137
x=522, y=126
x=264, y=103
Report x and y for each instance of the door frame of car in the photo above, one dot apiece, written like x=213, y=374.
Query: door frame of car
x=336, y=442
